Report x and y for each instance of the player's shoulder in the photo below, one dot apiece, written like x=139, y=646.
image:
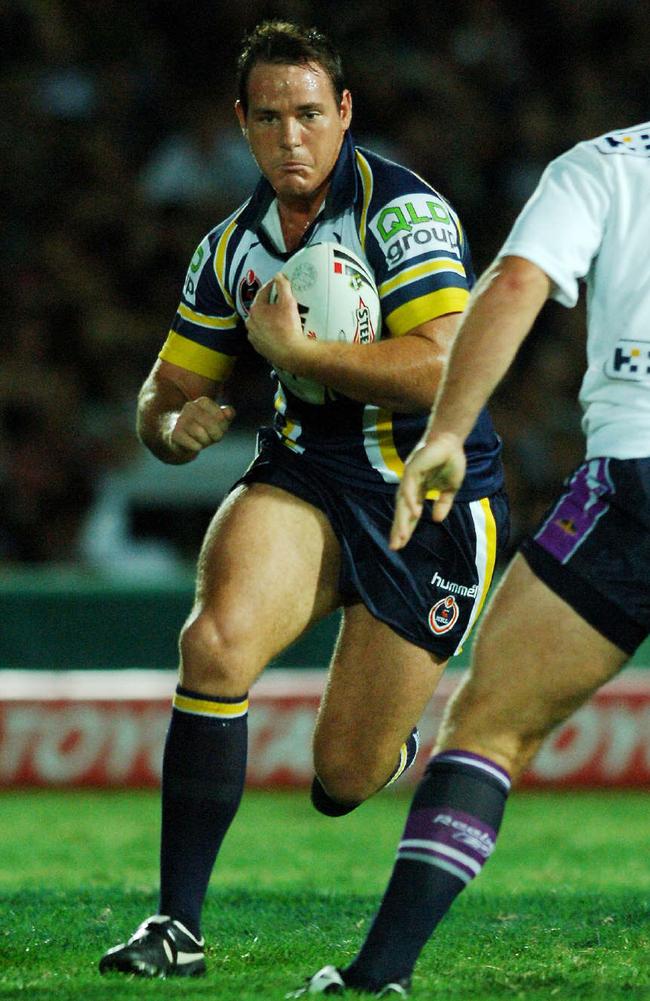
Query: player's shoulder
x=227, y=226
x=208, y=266
x=390, y=179
x=401, y=204
x=606, y=149
x=633, y=141
x=613, y=157
x=215, y=243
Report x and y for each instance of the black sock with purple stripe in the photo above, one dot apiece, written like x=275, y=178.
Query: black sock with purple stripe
x=204, y=766
x=449, y=835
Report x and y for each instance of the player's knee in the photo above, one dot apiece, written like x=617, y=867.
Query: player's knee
x=211, y=658
x=344, y=787
x=348, y=778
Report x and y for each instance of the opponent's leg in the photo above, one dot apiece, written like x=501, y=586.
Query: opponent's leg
x=378, y=686
x=268, y=569
x=535, y=662
x=519, y=688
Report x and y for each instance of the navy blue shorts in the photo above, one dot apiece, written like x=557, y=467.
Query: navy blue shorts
x=593, y=548
x=430, y=592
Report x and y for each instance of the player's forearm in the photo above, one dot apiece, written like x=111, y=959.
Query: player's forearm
x=159, y=406
x=399, y=374
x=501, y=312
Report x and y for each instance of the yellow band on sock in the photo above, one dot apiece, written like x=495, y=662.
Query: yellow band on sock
x=206, y=707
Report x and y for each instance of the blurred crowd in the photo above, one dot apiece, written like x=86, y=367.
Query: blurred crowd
x=120, y=151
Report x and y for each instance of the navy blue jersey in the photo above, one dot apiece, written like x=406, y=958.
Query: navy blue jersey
x=414, y=245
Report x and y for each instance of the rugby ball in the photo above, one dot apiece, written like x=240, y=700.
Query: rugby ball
x=337, y=301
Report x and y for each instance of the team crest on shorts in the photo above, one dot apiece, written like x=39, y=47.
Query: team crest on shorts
x=248, y=289
x=443, y=615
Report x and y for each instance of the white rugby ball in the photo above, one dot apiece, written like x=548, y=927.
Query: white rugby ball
x=337, y=301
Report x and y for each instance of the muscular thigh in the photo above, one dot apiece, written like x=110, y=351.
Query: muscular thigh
x=378, y=686
x=535, y=661
x=268, y=569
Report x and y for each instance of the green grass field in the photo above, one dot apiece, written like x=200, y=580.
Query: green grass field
x=562, y=910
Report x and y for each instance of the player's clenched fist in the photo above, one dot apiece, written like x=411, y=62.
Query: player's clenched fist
x=200, y=423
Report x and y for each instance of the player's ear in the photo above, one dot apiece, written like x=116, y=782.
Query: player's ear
x=345, y=109
x=241, y=117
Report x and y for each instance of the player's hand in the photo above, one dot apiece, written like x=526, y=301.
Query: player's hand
x=201, y=423
x=274, y=327
x=438, y=464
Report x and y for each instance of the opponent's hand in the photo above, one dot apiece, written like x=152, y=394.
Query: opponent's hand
x=200, y=423
x=274, y=327
x=438, y=464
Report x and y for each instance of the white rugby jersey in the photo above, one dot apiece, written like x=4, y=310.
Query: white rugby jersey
x=590, y=219
x=413, y=242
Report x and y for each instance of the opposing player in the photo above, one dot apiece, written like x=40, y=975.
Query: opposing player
x=305, y=530
x=575, y=602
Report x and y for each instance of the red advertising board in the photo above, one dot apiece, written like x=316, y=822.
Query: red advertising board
x=85, y=728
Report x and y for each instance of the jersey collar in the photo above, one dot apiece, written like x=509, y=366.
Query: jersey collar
x=342, y=194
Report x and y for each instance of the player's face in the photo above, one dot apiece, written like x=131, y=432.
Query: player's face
x=294, y=126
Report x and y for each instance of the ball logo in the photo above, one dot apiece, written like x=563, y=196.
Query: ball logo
x=364, y=333
x=443, y=615
x=304, y=276
x=248, y=289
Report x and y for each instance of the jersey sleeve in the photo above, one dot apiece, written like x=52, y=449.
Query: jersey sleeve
x=206, y=333
x=419, y=254
x=561, y=227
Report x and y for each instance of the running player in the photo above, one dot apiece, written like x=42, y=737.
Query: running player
x=305, y=530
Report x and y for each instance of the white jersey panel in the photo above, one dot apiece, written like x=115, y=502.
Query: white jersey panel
x=590, y=219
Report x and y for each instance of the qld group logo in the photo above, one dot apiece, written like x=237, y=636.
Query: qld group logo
x=248, y=289
x=443, y=615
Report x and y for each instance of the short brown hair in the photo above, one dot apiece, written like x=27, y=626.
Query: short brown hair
x=291, y=44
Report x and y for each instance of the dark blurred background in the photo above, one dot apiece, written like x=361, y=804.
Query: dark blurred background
x=120, y=151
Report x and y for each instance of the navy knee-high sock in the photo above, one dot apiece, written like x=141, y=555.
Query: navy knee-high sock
x=204, y=767
x=449, y=835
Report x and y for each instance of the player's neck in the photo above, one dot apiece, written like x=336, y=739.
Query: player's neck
x=296, y=216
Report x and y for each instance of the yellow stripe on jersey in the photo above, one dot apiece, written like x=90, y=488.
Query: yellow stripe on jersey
x=280, y=400
x=213, y=322
x=287, y=440
x=220, y=261
x=366, y=180
x=208, y=707
x=419, y=271
x=427, y=307
x=386, y=443
x=195, y=358
x=461, y=231
x=291, y=429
